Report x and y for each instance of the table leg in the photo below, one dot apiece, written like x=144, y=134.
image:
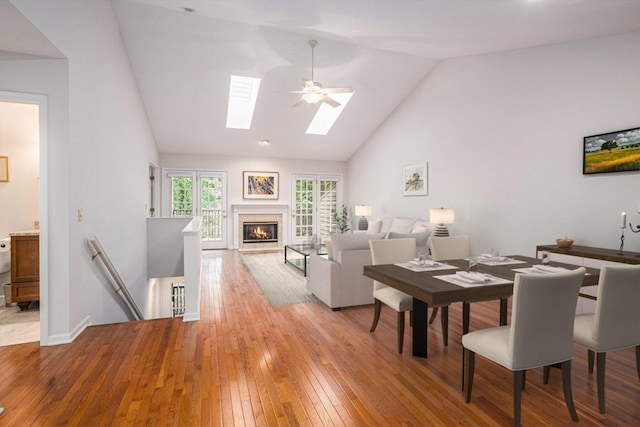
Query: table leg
x=304, y=260
x=420, y=323
x=503, y=311
x=466, y=309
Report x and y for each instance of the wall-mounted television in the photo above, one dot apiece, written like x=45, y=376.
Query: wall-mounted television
x=617, y=151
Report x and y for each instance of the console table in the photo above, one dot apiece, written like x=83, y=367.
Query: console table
x=588, y=257
x=611, y=255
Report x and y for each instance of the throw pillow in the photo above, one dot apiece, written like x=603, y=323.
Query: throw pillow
x=420, y=227
x=386, y=225
x=402, y=225
x=374, y=227
x=421, y=238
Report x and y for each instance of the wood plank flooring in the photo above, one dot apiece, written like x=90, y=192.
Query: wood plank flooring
x=248, y=363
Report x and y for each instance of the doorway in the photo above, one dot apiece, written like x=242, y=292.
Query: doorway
x=23, y=119
x=199, y=193
x=315, y=200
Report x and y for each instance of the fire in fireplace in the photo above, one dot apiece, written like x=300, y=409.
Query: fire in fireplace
x=259, y=232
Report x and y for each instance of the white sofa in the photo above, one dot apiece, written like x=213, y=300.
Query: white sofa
x=336, y=278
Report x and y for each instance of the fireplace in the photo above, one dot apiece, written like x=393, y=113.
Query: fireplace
x=259, y=232
x=260, y=214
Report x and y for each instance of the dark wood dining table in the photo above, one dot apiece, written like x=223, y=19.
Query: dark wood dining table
x=427, y=290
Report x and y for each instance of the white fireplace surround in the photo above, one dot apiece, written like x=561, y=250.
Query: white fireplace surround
x=256, y=209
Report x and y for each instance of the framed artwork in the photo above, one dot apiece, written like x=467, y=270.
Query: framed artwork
x=260, y=185
x=414, y=179
x=4, y=169
x=617, y=151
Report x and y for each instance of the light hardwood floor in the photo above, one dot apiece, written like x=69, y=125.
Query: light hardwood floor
x=248, y=363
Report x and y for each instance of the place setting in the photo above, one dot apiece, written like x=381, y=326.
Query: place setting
x=494, y=258
x=543, y=268
x=422, y=263
x=472, y=277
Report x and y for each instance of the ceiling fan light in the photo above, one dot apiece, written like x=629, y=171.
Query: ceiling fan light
x=312, y=97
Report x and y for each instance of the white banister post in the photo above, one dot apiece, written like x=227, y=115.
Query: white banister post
x=192, y=237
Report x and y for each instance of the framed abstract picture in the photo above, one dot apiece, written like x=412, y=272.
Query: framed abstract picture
x=414, y=179
x=260, y=185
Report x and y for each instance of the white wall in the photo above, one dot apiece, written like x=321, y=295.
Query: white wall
x=234, y=166
x=19, y=140
x=502, y=135
x=103, y=161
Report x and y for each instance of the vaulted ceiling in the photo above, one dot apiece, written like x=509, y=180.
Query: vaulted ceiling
x=383, y=49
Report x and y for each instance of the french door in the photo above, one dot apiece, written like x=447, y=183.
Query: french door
x=200, y=193
x=315, y=199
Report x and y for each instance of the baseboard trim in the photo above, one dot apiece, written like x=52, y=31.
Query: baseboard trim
x=70, y=337
x=191, y=317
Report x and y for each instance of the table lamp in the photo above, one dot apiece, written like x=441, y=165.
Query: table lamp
x=363, y=211
x=441, y=217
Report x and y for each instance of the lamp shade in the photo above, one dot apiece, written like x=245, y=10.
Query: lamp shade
x=363, y=210
x=442, y=216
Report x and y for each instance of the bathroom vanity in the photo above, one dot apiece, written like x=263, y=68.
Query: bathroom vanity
x=25, y=267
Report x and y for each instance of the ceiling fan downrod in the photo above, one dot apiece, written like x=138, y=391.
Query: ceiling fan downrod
x=313, y=44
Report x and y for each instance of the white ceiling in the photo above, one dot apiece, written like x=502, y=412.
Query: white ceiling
x=381, y=48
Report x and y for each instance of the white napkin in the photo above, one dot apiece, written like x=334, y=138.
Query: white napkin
x=489, y=257
x=426, y=263
x=548, y=268
x=472, y=277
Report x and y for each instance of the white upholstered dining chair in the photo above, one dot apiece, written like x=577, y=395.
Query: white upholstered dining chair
x=616, y=322
x=540, y=333
x=391, y=251
x=441, y=249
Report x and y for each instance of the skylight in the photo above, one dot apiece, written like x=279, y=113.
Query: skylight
x=243, y=92
x=327, y=115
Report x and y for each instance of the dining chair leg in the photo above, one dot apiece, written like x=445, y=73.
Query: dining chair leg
x=590, y=357
x=410, y=318
x=566, y=388
x=400, y=331
x=444, y=319
x=376, y=314
x=518, y=385
x=545, y=374
x=469, y=358
x=638, y=360
x=434, y=313
x=601, y=359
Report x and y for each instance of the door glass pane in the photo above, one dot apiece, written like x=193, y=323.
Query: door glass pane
x=211, y=206
x=327, y=206
x=304, y=208
x=181, y=196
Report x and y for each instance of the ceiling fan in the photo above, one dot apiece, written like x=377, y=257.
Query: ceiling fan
x=313, y=92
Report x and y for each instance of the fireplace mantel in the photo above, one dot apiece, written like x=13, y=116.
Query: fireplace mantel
x=260, y=209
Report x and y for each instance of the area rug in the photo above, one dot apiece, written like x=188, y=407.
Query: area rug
x=281, y=283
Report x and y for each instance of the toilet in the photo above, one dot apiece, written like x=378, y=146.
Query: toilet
x=5, y=266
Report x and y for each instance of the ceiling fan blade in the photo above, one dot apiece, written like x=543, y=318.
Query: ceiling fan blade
x=330, y=101
x=298, y=102
x=338, y=90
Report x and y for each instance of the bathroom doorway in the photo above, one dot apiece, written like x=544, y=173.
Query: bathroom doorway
x=22, y=140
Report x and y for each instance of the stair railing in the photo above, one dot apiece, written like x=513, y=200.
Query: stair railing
x=120, y=287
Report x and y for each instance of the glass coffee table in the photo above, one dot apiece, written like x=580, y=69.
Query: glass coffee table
x=297, y=255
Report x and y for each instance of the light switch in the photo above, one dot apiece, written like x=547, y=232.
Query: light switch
x=79, y=215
